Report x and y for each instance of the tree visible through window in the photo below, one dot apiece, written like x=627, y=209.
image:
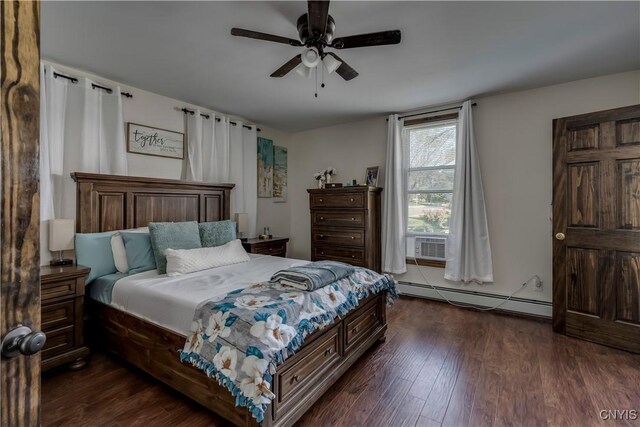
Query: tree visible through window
x=432, y=157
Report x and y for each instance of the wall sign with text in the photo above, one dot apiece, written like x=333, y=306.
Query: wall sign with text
x=154, y=141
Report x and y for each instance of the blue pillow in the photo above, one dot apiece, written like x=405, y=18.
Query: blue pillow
x=174, y=235
x=217, y=233
x=139, y=252
x=93, y=250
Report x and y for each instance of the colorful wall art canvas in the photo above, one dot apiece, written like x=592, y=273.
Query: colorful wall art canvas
x=265, y=167
x=279, y=174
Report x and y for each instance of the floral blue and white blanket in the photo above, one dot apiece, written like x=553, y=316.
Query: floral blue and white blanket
x=240, y=338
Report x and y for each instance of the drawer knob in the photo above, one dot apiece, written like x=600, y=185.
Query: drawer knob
x=353, y=237
x=270, y=249
x=295, y=379
x=320, y=200
x=322, y=253
x=321, y=217
x=353, y=256
x=328, y=351
x=353, y=219
x=355, y=330
x=322, y=235
x=351, y=199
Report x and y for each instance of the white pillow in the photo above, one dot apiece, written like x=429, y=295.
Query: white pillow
x=119, y=252
x=183, y=261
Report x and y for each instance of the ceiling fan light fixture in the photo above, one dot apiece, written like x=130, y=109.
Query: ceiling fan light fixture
x=311, y=57
x=330, y=63
x=303, y=70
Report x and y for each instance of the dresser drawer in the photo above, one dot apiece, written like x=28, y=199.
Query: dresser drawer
x=313, y=362
x=342, y=200
x=353, y=256
x=54, y=290
x=348, y=237
x=57, y=314
x=58, y=341
x=338, y=218
x=361, y=326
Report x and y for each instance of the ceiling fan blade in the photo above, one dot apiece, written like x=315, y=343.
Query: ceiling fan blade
x=264, y=36
x=286, y=68
x=344, y=70
x=317, y=16
x=371, y=39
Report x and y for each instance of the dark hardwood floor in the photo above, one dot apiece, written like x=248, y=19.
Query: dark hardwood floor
x=440, y=365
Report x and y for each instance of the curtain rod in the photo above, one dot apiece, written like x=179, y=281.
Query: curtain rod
x=434, y=111
x=93, y=85
x=207, y=116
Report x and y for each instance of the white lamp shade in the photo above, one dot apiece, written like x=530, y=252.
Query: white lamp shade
x=242, y=219
x=303, y=70
x=331, y=63
x=61, y=234
x=310, y=57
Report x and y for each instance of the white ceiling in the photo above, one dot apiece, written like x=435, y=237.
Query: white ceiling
x=449, y=51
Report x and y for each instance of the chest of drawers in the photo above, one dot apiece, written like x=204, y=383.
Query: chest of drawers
x=345, y=225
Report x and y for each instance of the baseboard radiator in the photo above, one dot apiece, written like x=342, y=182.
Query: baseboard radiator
x=480, y=299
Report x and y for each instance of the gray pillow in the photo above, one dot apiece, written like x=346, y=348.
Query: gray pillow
x=217, y=233
x=140, y=255
x=174, y=235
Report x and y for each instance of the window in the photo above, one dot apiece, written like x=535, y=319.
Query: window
x=432, y=157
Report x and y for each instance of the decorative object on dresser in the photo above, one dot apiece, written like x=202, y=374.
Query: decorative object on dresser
x=152, y=141
x=333, y=185
x=276, y=246
x=345, y=225
x=62, y=293
x=372, y=176
x=61, y=234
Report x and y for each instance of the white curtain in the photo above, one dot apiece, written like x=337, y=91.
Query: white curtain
x=219, y=151
x=394, y=205
x=468, y=246
x=82, y=130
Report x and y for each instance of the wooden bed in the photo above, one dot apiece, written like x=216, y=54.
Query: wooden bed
x=110, y=202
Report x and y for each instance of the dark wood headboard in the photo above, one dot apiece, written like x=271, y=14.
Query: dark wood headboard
x=115, y=202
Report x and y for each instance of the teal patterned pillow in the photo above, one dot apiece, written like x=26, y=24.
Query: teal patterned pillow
x=174, y=235
x=217, y=233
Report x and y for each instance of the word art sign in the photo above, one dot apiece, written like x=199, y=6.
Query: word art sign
x=154, y=141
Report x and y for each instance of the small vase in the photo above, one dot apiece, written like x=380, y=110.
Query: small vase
x=320, y=185
x=328, y=178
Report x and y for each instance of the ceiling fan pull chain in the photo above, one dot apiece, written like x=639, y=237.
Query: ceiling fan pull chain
x=322, y=71
x=316, y=69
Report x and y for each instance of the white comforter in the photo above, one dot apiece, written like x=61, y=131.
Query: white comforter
x=171, y=301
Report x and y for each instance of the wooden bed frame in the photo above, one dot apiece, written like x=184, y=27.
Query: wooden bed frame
x=111, y=202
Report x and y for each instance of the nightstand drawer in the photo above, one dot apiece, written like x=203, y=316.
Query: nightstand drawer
x=59, y=341
x=275, y=250
x=54, y=290
x=57, y=314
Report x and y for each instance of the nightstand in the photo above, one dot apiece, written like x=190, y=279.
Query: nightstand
x=62, y=295
x=276, y=246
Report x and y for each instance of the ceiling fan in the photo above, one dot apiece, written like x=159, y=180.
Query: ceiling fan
x=315, y=29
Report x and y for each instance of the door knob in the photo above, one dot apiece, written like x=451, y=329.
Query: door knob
x=560, y=236
x=22, y=339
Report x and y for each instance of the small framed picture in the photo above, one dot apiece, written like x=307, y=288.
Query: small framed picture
x=372, y=176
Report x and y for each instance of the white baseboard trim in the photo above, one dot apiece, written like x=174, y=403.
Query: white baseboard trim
x=480, y=299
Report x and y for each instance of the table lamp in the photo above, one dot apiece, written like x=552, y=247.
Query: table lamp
x=61, y=236
x=242, y=222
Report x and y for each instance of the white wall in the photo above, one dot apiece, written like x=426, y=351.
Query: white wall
x=514, y=137
x=156, y=110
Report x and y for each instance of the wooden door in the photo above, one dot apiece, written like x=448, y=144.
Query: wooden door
x=20, y=206
x=596, y=220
